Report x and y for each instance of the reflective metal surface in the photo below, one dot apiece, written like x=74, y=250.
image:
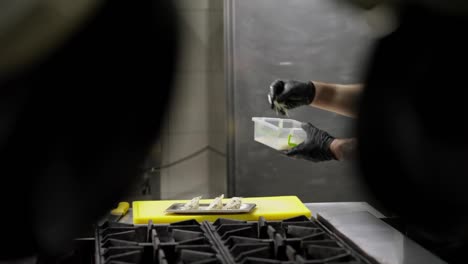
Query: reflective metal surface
x=344, y=207
x=377, y=239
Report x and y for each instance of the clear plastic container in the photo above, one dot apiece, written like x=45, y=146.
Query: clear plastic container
x=278, y=133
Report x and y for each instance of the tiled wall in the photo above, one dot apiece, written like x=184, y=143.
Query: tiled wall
x=196, y=118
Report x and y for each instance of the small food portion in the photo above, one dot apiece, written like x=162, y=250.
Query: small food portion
x=280, y=108
x=196, y=206
x=233, y=204
x=217, y=203
x=192, y=204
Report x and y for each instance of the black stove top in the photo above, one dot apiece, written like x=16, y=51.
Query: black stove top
x=296, y=240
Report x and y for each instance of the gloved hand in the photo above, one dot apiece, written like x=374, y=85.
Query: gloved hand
x=290, y=94
x=316, y=147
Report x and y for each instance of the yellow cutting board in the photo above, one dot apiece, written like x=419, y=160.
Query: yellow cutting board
x=272, y=208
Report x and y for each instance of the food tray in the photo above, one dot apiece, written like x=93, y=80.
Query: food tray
x=176, y=209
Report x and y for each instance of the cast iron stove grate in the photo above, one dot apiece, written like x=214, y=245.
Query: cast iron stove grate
x=296, y=240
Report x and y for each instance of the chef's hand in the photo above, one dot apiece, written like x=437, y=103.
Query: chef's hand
x=316, y=147
x=290, y=94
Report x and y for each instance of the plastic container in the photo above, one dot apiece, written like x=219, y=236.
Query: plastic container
x=278, y=133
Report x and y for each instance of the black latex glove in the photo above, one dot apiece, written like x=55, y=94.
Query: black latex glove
x=290, y=94
x=316, y=147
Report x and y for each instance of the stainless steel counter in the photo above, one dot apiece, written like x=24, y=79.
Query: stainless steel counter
x=359, y=224
x=343, y=207
x=376, y=239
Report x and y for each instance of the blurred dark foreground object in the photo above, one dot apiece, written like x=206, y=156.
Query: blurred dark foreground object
x=413, y=127
x=76, y=125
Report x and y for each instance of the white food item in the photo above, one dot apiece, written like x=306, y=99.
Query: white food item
x=280, y=107
x=233, y=204
x=192, y=204
x=217, y=203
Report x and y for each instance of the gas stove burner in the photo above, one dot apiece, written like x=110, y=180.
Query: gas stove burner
x=295, y=240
